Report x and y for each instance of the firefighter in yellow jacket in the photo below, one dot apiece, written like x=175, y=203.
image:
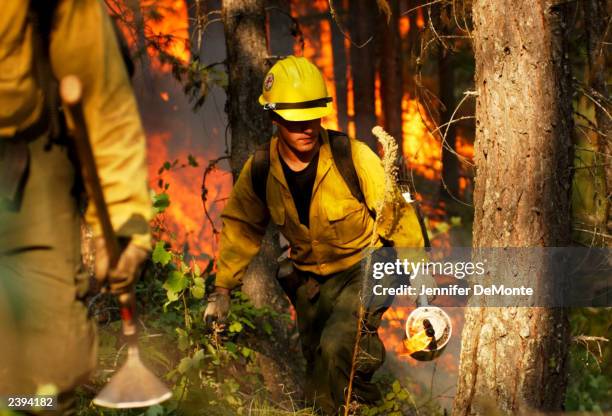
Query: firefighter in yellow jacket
x=308, y=199
x=48, y=341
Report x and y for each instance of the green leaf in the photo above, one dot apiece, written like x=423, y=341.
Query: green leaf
x=267, y=328
x=443, y=227
x=176, y=282
x=248, y=323
x=231, y=347
x=160, y=254
x=396, y=386
x=192, y=161
x=198, y=357
x=197, y=292
x=184, y=365
x=246, y=352
x=183, y=339
x=161, y=201
x=235, y=327
x=198, y=281
x=155, y=410
x=172, y=296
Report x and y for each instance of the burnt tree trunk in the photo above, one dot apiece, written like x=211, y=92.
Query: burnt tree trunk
x=340, y=63
x=391, y=80
x=412, y=47
x=245, y=38
x=515, y=358
x=450, y=163
x=362, y=15
x=141, y=44
x=446, y=83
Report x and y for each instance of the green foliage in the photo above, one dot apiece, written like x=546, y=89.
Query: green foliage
x=590, y=380
x=398, y=400
x=161, y=202
x=210, y=372
x=198, y=78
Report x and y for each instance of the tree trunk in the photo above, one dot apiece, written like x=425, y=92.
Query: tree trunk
x=362, y=16
x=340, y=64
x=450, y=163
x=279, y=27
x=391, y=80
x=245, y=37
x=141, y=44
x=596, y=18
x=446, y=83
x=412, y=47
x=516, y=357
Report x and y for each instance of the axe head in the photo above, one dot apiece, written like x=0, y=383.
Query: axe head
x=134, y=385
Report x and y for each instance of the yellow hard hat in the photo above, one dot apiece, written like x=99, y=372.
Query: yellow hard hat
x=295, y=89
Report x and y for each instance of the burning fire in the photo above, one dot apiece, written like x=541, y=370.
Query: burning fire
x=183, y=220
x=318, y=49
x=421, y=150
x=417, y=342
x=164, y=24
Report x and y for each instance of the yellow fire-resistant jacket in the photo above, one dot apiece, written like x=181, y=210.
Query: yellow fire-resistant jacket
x=83, y=44
x=340, y=226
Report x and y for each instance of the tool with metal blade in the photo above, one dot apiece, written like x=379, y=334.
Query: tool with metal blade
x=133, y=385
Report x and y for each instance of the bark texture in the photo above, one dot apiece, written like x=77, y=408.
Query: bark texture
x=245, y=40
x=340, y=63
x=516, y=357
x=362, y=19
x=391, y=80
x=245, y=35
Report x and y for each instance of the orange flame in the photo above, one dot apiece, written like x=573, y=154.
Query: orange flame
x=417, y=342
x=184, y=219
x=318, y=49
x=422, y=151
x=165, y=25
x=377, y=99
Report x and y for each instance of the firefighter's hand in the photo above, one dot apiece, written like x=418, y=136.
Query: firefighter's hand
x=127, y=270
x=218, y=307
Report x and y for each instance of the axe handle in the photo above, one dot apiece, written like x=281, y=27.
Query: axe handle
x=71, y=91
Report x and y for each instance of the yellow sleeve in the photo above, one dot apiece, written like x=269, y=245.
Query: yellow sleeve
x=406, y=231
x=83, y=44
x=245, y=219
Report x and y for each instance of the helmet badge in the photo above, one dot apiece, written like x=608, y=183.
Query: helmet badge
x=268, y=82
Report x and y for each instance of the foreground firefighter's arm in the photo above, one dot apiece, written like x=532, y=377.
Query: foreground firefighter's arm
x=84, y=44
x=244, y=224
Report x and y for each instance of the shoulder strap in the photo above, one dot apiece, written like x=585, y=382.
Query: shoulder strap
x=260, y=167
x=41, y=15
x=341, y=152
